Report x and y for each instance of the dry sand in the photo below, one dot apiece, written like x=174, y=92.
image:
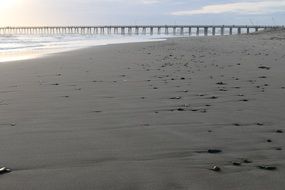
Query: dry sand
x=143, y=116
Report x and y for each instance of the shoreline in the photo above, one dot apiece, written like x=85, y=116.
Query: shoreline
x=150, y=115
x=47, y=50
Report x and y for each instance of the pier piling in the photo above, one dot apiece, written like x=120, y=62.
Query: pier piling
x=137, y=30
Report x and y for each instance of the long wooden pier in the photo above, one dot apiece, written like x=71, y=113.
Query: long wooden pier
x=137, y=30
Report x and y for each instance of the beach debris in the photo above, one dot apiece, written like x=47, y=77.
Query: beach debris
x=221, y=83
x=264, y=67
x=279, y=131
x=97, y=111
x=259, y=124
x=269, y=140
x=223, y=90
x=278, y=148
x=55, y=84
x=176, y=98
x=244, y=100
x=264, y=167
x=236, y=124
x=236, y=163
x=182, y=78
x=214, y=151
x=9, y=124
x=213, y=97
x=180, y=109
x=216, y=169
x=4, y=170
x=246, y=161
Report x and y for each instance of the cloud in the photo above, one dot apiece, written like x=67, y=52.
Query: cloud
x=252, y=7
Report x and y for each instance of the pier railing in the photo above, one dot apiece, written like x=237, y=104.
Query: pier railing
x=138, y=30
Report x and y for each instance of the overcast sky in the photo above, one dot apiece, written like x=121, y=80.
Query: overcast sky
x=94, y=12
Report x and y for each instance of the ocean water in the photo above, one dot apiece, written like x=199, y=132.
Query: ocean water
x=21, y=47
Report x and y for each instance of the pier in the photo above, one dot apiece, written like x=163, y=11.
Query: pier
x=182, y=30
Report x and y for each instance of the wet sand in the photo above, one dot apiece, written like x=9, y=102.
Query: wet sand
x=200, y=113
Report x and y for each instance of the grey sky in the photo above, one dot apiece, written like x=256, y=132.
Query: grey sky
x=92, y=12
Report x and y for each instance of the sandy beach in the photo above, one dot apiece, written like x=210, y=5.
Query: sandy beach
x=147, y=116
